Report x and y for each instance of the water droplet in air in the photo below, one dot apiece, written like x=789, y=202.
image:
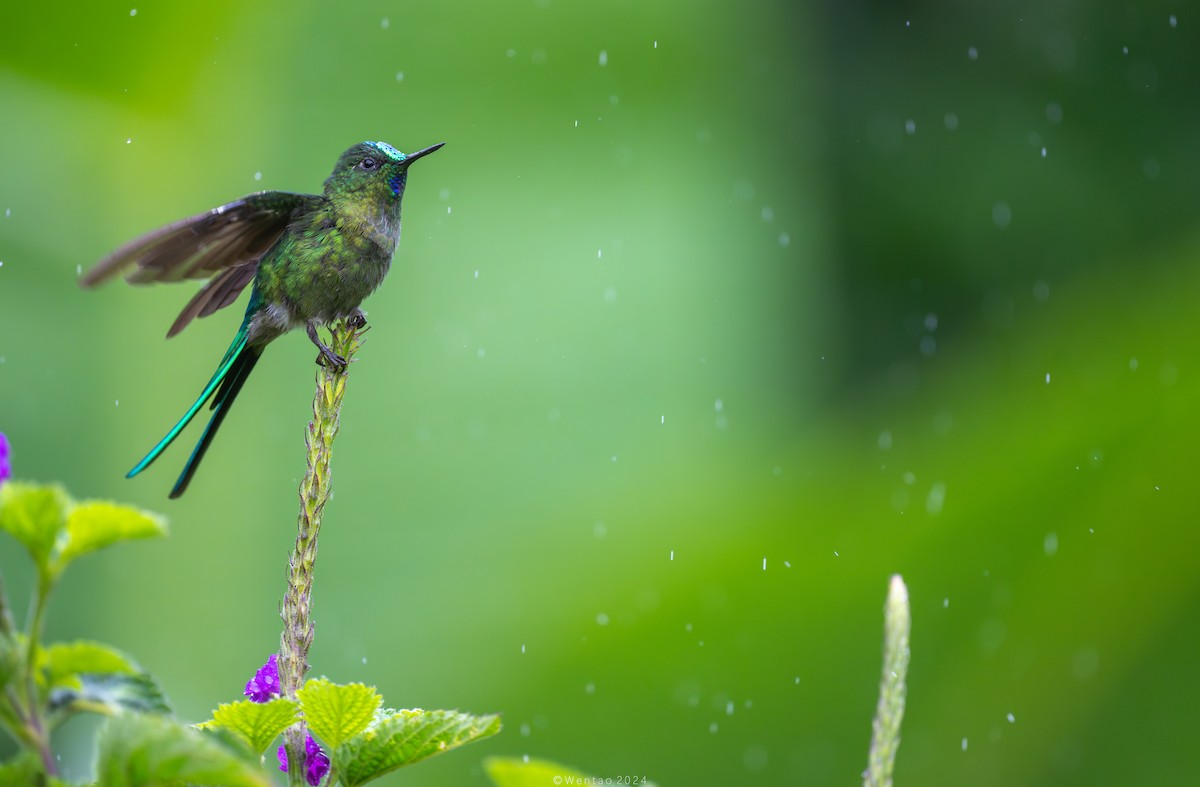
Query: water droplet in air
x=1050, y=544
x=399, y=76
x=964, y=744
x=133, y=12
x=910, y=126
x=385, y=23
x=603, y=57
x=951, y=121
x=258, y=176
x=1054, y=112
x=601, y=619
x=972, y=53
x=1172, y=21
x=1001, y=214
x=1011, y=718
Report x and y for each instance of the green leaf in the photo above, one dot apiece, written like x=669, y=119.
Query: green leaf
x=148, y=751
x=403, y=737
x=513, y=772
x=34, y=515
x=10, y=658
x=95, y=524
x=64, y=661
x=256, y=723
x=336, y=713
x=24, y=768
x=109, y=694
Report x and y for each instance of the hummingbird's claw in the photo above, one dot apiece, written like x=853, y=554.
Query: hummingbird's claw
x=327, y=356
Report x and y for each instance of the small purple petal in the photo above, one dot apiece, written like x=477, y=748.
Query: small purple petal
x=5, y=464
x=265, y=683
x=316, y=763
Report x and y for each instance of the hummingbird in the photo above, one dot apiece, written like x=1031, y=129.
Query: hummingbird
x=309, y=260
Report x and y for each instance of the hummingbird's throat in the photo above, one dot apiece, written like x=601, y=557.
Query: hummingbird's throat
x=397, y=183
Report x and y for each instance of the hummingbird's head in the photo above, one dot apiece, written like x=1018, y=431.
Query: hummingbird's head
x=373, y=169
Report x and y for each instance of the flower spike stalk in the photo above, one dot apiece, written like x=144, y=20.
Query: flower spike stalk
x=297, y=637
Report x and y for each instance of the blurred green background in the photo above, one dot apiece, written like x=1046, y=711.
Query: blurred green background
x=708, y=318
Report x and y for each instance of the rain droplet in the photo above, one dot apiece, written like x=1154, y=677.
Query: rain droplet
x=1172, y=21
x=1001, y=214
x=910, y=126
x=1050, y=544
x=601, y=619
x=258, y=176
x=603, y=57
x=972, y=53
x=1054, y=112
x=385, y=23
x=1011, y=719
x=400, y=75
x=133, y=12
x=951, y=121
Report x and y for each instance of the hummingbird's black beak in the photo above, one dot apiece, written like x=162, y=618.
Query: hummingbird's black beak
x=411, y=157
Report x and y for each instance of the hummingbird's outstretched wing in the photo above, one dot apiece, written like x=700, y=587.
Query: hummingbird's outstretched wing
x=227, y=241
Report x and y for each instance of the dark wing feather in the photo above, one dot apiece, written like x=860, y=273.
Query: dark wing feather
x=220, y=291
x=227, y=237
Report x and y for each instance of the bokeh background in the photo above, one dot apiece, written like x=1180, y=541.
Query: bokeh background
x=708, y=318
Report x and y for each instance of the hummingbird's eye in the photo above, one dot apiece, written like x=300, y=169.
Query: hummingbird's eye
x=368, y=164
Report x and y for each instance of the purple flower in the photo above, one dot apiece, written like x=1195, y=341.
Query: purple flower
x=265, y=683
x=316, y=764
x=5, y=464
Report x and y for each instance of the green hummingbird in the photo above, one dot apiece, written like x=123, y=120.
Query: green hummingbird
x=310, y=260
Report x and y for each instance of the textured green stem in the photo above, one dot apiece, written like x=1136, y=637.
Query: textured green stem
x=885, y=737
x=315, y=489
x=35, y=727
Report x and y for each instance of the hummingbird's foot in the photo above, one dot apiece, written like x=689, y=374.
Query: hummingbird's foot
x=327, y=356
x=357, y=319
